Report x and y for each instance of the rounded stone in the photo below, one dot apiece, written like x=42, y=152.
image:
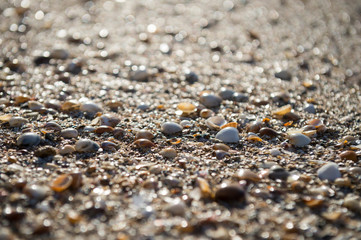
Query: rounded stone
x=109, y=120
x=277, y=172
x=171, y=128
x=17, y=121
x=240, y=97
x=228, y=135
x=67, y=149
x=226, y=94
x=86, y=145
x=28, y=140
x=210, y=100
x=168, y=153
x=230, y=194
x=90, y=107
x=310, y=108
x=299, y=140
x=329, y=172
x=69, y=133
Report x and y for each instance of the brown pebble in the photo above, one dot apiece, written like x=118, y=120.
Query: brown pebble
x=268, y=132
x=103, y=129
x=144, y=134
x=144, y=143
x=349, y=155
x=230, y=194
x=220, y=154
x=254, y=126
x=206, y=113
x=221, y=146
x=168, y=153
x=45, y=152
x=52, y=126
x=245, y=174
x=67, y=149
x=291, y=116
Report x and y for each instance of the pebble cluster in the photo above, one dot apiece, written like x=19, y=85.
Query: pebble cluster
x=167, y=130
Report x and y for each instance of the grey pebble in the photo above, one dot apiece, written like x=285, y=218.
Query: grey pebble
x=284, y=75
x=210, y=100
x=240, y=97
x=310, y=108
x=17, y=121
x=28, y=139
x=299, y=140
x=86, y=145
x=329, y=171
x=228, y=135
x=171, y=128
x=69, y=133
x=226, y=94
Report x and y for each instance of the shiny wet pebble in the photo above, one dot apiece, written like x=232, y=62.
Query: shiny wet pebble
x=228, y=135
x=171, y=128
x=210, y=100
x=299, y=139
x=28, y=140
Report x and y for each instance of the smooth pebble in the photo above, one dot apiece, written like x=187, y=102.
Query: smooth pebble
x=28, y=140
x=329, y=171
x=210, y=100
x=69, y=133
x=90, y=107
x=310, y=108
x=86, y=145
x=299, y=140
x=228, y=135
x=17, y=121
x=171, y=128
x=109, y=120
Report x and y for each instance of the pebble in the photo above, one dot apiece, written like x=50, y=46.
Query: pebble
x=220, y=154
x=284, y=75
x=145, y=134
x=69, y=133
x=103, y=129
x=226, y=94
x=275, y=152
x=61, y=183
x=177, y=208
x=210, y=100
x=186, y=107
x=206, y=113
x=45, y=152
x=28, y=139
x=59, y=53
x=67, y=149
x=353, y=203
x=89, y=129
x=34, y=105
x=109, y=146
x=37, y=192
x=143, y=107
x=17, y=121
x=230, y=193
x=171, y=128
x=221, y=146
x=168, y=153
x=240, y=97
x=277, y=172
x=245, y=174
x=109, y=120
x=310, y=108
x=254, y=126
x=266, y=131
x=299, y=139
x=86, y=145
x=140, y=76
x=191, y=77
x=90, y=107
x=349, y=155
x=215, y=122
x=52, y=126
x=355, y=171
x=144, y=143
x=329, y=171
x=186, y=124
x=228, y=135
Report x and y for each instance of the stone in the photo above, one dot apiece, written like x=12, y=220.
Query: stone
x=310, y=108
x=17, y=121
x=210, y=100
x=69, y=133
x=86, y=145
x=171, y=128
x=284, y=75
x=329, y=172
x=29, y=139
x=228, y=135
x=299, y=139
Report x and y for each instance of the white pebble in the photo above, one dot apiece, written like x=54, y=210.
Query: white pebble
x=299, y=140
x=69, y=133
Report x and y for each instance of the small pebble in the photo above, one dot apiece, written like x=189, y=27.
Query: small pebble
x=352, y=203
x=61, y=183
x=45, y=152
x=266, y=131
x=52, y=126
x=221, y=146
x=191, y=77
x=89, y=129
x=145, y=134
x=144, y=143
x=230, y=194
x=143, y=107
x=277, y=172
x=90, y=107
x=220, y=154
x=299, y=139
x=186, y=124
x=140, y=76
x=103, y=129
x=310, y=108
x=28, y=139
x=210, y=100
x=177, y=208
x=329, y=172
x=109, y=146
x=228, y=135
x=36, y=192
x=86, y=145
x=171, y=128
x=109, y=120
x=226, y=94
x=215, y=122
x=254, y=126
x=186, y=107
x=240, y=97
x=275, y=152
x=17, y=121
x=284, y=75
x=245, y=174
x=59, y=54
x=168, y=153
x=69, y=133
x=67, y=149
x=206, y=113
x=349, y=155
x=34, y=105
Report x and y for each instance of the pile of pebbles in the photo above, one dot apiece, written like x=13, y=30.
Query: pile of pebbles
x=143, y=120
